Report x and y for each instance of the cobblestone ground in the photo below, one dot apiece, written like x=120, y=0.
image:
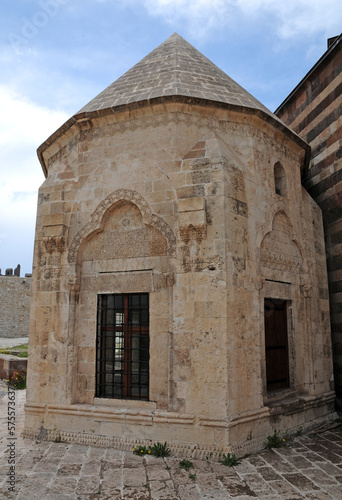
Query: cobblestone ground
x=309, y=467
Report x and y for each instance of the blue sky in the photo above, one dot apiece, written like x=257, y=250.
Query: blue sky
x=56, y=55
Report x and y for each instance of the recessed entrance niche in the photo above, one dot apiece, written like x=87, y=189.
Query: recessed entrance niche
x=276, y=344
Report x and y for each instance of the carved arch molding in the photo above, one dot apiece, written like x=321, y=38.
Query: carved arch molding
x=97, y=221
x=279, y=249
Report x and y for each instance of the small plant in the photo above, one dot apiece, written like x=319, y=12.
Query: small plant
x=229, y=460
x=192, y=476
x=186, y=464
x=160, y=450
x=275, y=440
x=19, y=350
x=141, y=450
x=5, y=350
x=299, y=431
x=18, y=380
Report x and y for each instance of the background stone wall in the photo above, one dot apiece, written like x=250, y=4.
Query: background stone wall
x=313, y=111
x=15, y=297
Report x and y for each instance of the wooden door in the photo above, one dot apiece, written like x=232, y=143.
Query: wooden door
x=276, y=344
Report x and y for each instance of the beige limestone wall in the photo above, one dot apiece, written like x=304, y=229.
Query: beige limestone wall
x=15, y=296
x=197, y=185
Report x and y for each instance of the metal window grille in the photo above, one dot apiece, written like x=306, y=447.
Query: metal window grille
x=122, y=344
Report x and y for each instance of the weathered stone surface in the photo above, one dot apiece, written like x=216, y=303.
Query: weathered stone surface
x=180, y=202
x=15, y=299
x=322, y=481
x=313, y=110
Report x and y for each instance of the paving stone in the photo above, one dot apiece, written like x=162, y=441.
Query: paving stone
x=131, y=461
x=318, y=495
x=299, y=462
x=274, y=459
x=222, y=470
x=113, y=478
x=112, y=454
x=69, y=469
x=108, y=492
x=88, y=485
x=180, y=476
x=312, y=457
x=256, y=482
x=245, y=467
x=109, y=465
x=63, y=485
x=91, y=467
x=319, y=477
x=61, y=471
x=236, y=488
x=209, y=486
x=284, y=489
x=157, y=472
x=256, y=460
x=189, y=492
x=301, y=482
x=137, y=478
x=163, y=490
x=56, y=496
x=334, y=491
x=268, y=473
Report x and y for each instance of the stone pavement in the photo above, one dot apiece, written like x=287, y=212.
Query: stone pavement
x=309, y=467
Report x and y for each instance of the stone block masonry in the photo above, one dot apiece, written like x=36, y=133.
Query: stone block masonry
x=313, y=111
x=15, y=298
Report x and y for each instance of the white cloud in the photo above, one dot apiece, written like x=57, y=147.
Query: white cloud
x=298, y=17
x=200, y=15
x=289, y=19
x=24, y=125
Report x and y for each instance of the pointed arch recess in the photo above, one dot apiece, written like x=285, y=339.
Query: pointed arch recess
x=284, y=254
x=97, y=218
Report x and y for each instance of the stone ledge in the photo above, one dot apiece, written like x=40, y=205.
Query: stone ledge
x=10, y=365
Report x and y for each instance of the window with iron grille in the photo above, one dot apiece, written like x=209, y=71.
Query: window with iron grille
x=122, y=346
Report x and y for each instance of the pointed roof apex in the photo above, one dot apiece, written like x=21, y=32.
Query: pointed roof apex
x=174, y=68
x=174, y=71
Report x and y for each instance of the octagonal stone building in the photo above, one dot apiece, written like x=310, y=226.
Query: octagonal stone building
x=179, y=281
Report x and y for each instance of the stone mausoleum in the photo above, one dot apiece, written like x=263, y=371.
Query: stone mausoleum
x=179, y=283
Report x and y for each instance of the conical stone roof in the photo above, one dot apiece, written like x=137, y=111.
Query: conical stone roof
x=174, y=71
x=174, y=68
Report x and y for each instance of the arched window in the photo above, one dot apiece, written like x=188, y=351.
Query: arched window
x=280, y=179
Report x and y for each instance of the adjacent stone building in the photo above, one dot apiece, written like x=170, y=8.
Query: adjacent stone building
x=15, y=298
x=313, y=110
x=180, y=291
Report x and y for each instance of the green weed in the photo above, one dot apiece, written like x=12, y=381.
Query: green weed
x=141, y=450
x=229, y=460
x=160, y=450
x=275, y=440
x=186, y=464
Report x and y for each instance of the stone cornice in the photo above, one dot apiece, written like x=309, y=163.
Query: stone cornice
x=81, y=119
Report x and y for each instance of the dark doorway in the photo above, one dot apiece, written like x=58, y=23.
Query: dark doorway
x=276, y=344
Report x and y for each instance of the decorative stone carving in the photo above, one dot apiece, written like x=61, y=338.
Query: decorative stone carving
x=54, y=244
x=278, y=249
x=122, y=195
x=119, y=282
x=198, y=264
x=306, y=290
